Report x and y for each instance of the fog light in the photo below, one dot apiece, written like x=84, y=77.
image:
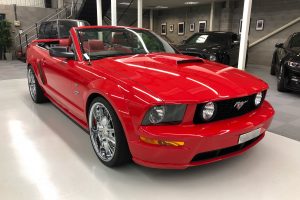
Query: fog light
x=161, y=142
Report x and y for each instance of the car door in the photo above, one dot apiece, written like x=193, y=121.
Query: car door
x=66, y=84
x=282, y=52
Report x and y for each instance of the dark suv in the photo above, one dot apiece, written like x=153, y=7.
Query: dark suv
x=59, y=29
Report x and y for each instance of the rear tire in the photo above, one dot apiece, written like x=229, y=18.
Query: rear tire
x=35, y=90
x=107, y=134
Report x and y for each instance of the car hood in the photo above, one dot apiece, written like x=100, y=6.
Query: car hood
x=180, y=78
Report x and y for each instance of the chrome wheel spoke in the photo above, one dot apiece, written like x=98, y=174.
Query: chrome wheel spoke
x=31, y=83
x=102, y=132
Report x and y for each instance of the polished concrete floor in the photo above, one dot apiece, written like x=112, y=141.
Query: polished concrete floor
x=44, y=155
x=287, y=105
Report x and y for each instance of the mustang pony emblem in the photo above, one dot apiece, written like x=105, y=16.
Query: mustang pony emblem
x=238, y=105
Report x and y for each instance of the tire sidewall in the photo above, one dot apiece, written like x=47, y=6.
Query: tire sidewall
x=119, y=133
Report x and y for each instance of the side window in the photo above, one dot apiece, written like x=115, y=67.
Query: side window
x=286, y=43
x=42, y=31
x=50, y=30
x=295, y=41
x=54, y=33
x=47, y=31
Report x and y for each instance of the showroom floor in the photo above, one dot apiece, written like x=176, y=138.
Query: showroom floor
x=46, y=156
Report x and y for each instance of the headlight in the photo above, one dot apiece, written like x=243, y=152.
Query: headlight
x=212, y=58
x=293, y=64
x=169, y=114
x=208, y=111
x=258, y=98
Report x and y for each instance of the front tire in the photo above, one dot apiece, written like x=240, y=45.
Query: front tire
x=35, y=90
x=273, y=66
x=281, y=80
x=106, y=134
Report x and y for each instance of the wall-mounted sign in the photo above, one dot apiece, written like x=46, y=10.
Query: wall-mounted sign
x=17, y=23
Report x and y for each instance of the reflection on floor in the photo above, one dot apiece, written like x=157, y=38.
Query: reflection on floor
x=287, y=105
x=46, y=156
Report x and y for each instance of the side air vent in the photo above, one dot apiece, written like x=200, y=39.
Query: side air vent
x=179, y=62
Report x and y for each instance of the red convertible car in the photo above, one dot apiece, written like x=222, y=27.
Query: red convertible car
x=141, y=100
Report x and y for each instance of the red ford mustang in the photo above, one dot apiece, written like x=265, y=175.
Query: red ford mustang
x=141, y=100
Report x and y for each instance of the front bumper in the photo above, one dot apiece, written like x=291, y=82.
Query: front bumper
x=200, y=138
x=293, y=79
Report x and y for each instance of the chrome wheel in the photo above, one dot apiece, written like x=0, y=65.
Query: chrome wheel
x=102, y=132
x=31, y=83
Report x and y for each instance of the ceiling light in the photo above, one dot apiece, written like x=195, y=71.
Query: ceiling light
x=161, y=7
x=191, y=3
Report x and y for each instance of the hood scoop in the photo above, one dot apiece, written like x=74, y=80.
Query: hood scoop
x=189, y=61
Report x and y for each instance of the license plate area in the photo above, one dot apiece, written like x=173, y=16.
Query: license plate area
x=249, y=136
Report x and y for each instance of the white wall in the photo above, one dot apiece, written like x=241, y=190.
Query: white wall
x=30, y=3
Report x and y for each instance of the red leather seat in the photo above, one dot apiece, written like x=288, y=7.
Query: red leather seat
x=120, y=41
x=65, y=42
x=93, y=46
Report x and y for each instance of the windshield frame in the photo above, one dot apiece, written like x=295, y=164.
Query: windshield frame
x=86, y=55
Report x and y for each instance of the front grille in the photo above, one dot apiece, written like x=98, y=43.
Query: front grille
x=226, y=108
x=223, y=152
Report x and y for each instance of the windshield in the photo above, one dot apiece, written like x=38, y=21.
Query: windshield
x=295, y=43
x=105, y=42
x=65, y=26
x=209, y=39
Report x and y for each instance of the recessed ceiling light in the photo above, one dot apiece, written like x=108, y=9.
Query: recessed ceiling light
x=191, y=3
x=125, y=3
x=161, y=7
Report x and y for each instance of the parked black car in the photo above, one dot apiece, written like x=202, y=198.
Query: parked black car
x=286, y=64
x=221, y=47
x=59, y=29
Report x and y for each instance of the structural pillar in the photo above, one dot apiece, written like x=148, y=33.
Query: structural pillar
x=99, y=12
x=151, y=19
x=211, y=19
x=114, y=12
x=244, y=34
x=60, y=3
x=140, y=13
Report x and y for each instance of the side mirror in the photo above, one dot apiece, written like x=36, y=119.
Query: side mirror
x=279, y=45
x=61, y=52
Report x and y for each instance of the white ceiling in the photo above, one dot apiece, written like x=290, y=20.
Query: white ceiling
x=169, y=3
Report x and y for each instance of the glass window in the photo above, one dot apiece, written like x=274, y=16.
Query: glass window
x=65, y=26
x=2, y=16
x=98, y=43
x=295, y=41
x=50, y=30
x=42, y=31
x=209, y=39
